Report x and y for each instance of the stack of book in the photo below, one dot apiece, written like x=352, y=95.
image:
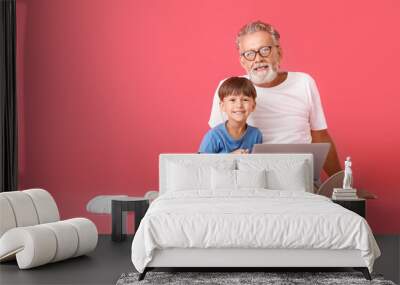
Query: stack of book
x=344, y=194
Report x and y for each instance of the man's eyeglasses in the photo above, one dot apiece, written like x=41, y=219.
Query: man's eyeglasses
x=250, y=55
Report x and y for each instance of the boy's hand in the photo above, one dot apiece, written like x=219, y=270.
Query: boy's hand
x=240, y=151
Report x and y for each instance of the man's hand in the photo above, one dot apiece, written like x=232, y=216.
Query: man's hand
x=332, y=164
x=240, y=151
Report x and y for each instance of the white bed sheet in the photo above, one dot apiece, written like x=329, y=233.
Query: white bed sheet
x=250, y=218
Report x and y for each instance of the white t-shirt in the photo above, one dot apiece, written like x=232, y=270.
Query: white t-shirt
x=284, y=113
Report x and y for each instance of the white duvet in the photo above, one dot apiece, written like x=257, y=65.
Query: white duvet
x=252, y=218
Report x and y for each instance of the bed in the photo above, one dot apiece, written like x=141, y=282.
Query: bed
x=241, y=211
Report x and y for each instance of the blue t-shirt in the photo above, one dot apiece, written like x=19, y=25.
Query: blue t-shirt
x=218, y=140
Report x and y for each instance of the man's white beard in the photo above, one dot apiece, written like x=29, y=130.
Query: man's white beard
x=264, y=76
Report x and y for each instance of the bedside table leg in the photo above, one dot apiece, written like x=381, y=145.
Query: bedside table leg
x=124, y=218
x=140, y=211
x=117, y=220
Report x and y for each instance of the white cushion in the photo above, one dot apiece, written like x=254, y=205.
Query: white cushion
x=35, y=244
x=32, y=246
x=23, y=208
x=26, y=208
x=40, y=244
x=7, y=218
x=292, y=178
x=67, y=240
x=290, y=175
x=46, y=207
x=237, y=179
x=87, y=233
x=183, y=175
x=251, y=178
x=223, y=179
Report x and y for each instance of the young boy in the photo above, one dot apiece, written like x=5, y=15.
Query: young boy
x=237, y=100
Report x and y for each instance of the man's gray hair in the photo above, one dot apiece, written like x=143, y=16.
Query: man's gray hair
x=257, y=26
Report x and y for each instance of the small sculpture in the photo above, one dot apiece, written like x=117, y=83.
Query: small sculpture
x=348, y=174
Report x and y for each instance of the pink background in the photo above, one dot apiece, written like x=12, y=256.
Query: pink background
x=106, y=86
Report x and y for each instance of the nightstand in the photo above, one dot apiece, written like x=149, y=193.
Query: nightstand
x=357, y=206
x=119, y=207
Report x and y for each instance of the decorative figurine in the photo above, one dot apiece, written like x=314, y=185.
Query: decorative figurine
x=348, y=174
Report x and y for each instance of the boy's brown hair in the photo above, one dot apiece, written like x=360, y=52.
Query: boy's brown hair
x=237, y=86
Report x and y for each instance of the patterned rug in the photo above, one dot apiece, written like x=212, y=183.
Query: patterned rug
x=244, y=278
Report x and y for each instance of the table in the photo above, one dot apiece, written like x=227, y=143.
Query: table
x=357, y=206
x=119, y=207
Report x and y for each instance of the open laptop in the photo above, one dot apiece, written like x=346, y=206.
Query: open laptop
x=319, y=151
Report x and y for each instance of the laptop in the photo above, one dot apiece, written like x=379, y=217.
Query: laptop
x=319, y=151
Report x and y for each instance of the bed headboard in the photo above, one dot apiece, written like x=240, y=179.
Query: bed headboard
x=269, y=158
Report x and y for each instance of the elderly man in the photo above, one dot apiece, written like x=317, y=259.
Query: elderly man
x=289, y=108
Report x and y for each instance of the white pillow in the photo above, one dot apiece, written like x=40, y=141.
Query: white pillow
x=185, y=175
x=223, y=179
x=237, y=179
x=292, y=179
x=282, y=174
x=251, y=178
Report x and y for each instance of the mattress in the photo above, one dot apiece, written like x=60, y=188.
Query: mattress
x=250, y=219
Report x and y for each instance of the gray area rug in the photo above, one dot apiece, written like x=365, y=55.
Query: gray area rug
x=269, y=278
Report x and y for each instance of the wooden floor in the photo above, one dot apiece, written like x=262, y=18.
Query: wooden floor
x=111, y=259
